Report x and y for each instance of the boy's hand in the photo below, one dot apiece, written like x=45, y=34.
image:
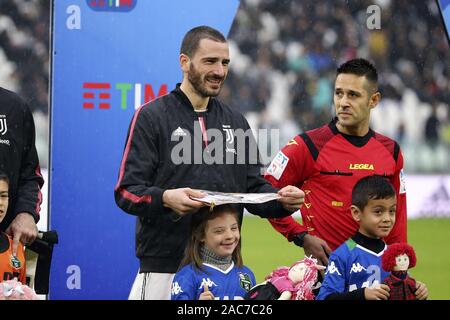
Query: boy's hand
x=378, y=293
x=206, y=294
x=421, y=291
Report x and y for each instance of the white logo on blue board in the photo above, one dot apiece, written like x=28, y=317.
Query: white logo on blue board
x=73, y=21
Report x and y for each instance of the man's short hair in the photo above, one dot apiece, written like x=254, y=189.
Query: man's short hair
x=191, y=40
x=371, y=188
x=360, y=67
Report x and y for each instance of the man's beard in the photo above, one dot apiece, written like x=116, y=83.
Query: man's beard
x=195, y=78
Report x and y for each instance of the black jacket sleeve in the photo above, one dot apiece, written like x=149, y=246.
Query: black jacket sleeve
x=134, y=192
x=29, y=196
x=257, y=184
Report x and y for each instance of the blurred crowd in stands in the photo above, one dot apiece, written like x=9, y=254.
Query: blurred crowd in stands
x=24, y=59
x=284, y=56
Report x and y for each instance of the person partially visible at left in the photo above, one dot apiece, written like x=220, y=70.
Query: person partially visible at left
x=12, y=265
x=20, y=161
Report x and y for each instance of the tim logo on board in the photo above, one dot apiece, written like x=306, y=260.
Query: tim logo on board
x=112, y=5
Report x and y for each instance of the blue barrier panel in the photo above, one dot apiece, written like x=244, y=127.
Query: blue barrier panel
x=444, y=6
x=108, y=57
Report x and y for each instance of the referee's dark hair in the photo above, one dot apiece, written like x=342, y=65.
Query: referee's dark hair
x=360, y=67
x=371, y=188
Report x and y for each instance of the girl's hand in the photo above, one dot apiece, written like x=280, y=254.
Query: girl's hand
x=206, y=294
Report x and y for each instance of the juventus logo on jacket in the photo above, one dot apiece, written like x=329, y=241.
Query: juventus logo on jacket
x=3, y=127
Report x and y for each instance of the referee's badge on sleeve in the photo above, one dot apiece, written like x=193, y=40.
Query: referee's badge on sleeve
x=402, y=182
x=277, y=166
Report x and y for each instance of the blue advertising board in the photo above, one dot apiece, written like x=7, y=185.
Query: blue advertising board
x=444, y=7
x=109, y=56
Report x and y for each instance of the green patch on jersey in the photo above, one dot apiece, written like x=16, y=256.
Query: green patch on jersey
x=350, y=244
x=15, y=263
x=244, y=281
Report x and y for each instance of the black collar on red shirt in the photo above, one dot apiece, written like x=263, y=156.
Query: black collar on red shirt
x=354, y=140
x=375, y=245
x=4, y=242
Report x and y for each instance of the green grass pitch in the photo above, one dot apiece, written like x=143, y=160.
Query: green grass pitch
x=264, y=249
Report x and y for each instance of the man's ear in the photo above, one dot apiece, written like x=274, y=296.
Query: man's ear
x=184, y=62
x=375, y=99
x=356, y=213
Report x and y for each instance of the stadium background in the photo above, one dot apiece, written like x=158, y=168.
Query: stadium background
x=284, y=54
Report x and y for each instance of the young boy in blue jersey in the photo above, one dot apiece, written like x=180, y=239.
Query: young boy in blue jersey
x=354, y=270
x=212, y=267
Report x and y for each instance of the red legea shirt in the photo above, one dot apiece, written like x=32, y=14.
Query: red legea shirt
x=326, y=165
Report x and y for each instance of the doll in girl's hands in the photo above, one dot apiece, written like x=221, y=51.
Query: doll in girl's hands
x=289, y=283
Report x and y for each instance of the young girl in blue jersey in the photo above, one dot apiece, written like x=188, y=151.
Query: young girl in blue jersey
x=212, y=267
x=354, y=269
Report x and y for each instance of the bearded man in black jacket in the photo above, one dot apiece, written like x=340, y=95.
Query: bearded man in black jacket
x=183, y=142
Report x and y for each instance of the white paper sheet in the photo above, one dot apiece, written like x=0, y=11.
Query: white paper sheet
x=218, y=198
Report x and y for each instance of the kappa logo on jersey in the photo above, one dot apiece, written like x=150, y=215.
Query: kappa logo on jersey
x=176, y=289
x=277, y=166
x=207, y=282
x=402, y=182
x=15, y=263
x=332, y=269
x=3, y=126
x=244, y=281
x=179, y=132
x=356, y=267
